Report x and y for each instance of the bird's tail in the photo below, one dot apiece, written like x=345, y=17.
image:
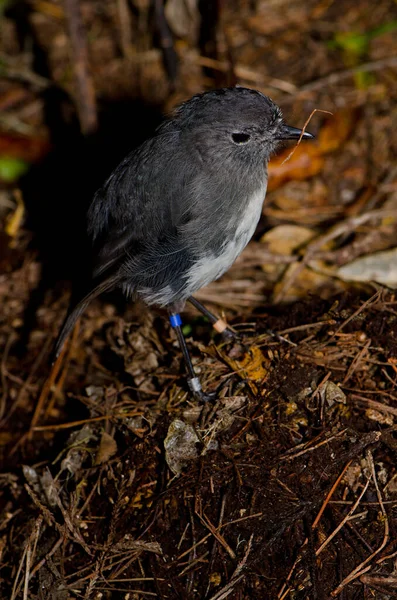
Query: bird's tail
x=78, y=309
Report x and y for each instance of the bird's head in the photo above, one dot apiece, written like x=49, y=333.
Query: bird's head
x=235, y=123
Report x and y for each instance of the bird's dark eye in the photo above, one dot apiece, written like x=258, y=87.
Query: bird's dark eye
x=240, y=138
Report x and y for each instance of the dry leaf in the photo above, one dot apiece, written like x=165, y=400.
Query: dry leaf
x=107, y=448
x=306, y=281
x=383, y=419
x=180, y=445
x=380, y=267
x=332, y=393
x=308, y=159
x=253, y=366
x=285, y=239
x=305, y=162
x=29, y=149
x=14, y=221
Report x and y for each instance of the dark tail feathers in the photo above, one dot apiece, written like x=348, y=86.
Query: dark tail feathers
x=78, y=310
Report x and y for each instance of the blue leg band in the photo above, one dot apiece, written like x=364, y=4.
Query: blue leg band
x=175, y=320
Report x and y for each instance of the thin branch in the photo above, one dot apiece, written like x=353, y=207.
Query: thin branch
x=228, y=588
x=344, y=520
x=333, y=78
x=330, y=494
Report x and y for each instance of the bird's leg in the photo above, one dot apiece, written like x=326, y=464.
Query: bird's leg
x=193, y=380
x=217, y=323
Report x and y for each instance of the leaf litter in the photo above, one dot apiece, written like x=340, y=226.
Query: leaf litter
x=114, y=482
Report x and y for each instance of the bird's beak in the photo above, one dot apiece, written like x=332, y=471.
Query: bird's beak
x=293, y=133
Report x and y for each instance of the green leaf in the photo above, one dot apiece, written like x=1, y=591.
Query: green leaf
x=357, y=44
x=12, y=168
x=364, y=80
x=187, y=329
x=351, y=43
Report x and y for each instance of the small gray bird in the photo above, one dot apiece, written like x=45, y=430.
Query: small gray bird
x=177, y=212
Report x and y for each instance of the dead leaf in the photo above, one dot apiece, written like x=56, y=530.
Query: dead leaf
x=28, y=149
x=303, y=131
x=180, y=445
x=254, y=363
x=337, y=130
x=306, y=162
x=14, y=221
x=332, y=393
x=284, y=240
x=306, y=280
x=308, y=159
x=253, y=366
x=380, y=267
x=107, y=448
x=383, y=419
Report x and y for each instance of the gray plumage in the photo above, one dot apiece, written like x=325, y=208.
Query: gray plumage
x=176, y=212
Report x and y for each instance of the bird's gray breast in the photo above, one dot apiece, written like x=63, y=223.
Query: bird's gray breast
x=237, y=232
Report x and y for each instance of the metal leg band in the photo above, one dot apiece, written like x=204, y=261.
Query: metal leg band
x=194, y=384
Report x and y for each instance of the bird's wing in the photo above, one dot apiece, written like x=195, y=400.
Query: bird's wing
x=135, y=209
x=127, y=215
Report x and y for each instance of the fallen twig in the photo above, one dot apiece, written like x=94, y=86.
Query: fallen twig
x=344, y=520
x=364, y=567
x=228, y=588
x=303, y=131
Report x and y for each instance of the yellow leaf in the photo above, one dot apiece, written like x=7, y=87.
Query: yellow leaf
x=14, y=221
x=253, y=366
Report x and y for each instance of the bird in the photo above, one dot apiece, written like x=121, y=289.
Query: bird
x=175, y=214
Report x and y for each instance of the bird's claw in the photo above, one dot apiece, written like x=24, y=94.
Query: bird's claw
x=195, y=387
x=228, y=335
x=203, y=397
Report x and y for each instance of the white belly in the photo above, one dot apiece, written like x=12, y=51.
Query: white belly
x=211, y=266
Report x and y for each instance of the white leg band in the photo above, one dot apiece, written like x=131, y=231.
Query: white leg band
x=194, y=384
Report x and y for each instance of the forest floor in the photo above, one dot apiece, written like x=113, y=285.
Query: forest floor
x=114, y=481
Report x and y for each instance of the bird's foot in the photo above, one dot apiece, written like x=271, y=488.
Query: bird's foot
x=203, y=397
x=228, y=335
x=195, y=387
